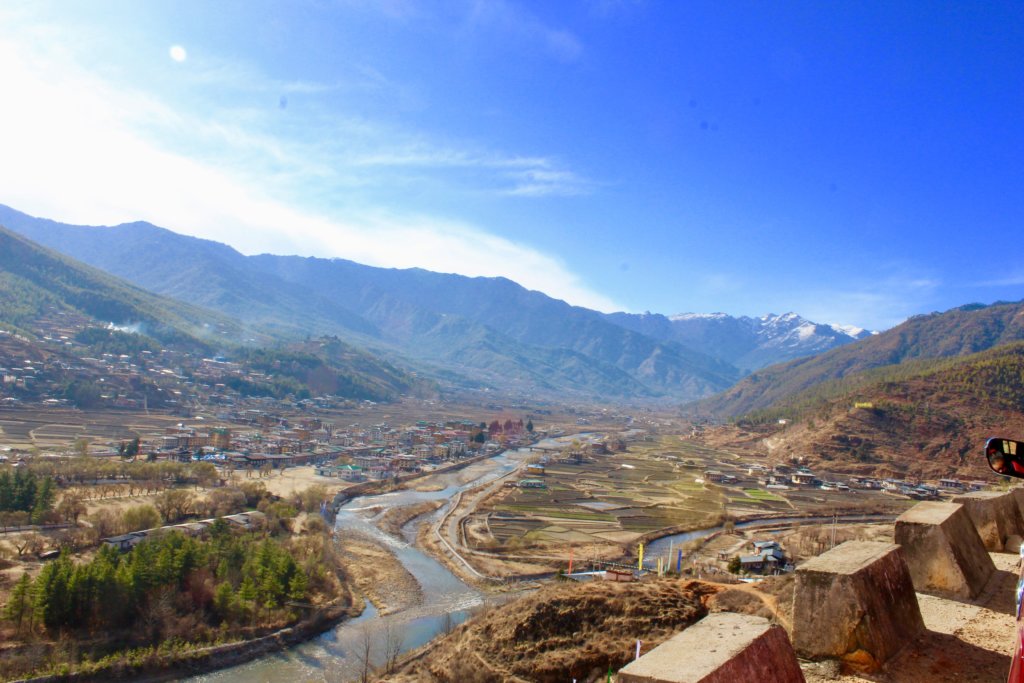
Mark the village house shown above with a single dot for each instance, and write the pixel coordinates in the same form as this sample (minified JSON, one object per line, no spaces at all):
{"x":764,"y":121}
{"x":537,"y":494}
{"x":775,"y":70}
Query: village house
{"x":767,"y":557}
{"x":716,"y":477}
{"x":803,"y":478}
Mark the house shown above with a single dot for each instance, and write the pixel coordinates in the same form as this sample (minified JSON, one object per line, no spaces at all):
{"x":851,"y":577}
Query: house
{"x":952,"y":484}
{"x":768,"y":556}
{"x":532,"y":484}
{"x":802,"y":478}
{"x":716,"y":477}
{"x":247,"y":520}
{"x":126,"y":542}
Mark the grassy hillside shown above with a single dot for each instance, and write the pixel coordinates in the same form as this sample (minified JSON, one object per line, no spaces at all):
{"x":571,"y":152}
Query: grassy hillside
{"x":35,"y":282}
{"x":561,"y":632}
{"x":517,"y":339}
{"x":41,"y":291}
{"x":926,"y":418}
{"x":958,"y":332}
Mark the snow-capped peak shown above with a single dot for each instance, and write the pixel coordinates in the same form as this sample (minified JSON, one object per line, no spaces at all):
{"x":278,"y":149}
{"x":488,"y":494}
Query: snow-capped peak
{"x":851,"y":330}
{"x":699,"y":316}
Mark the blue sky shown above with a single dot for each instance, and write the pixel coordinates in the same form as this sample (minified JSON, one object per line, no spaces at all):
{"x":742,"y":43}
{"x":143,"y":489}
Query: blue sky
{"x":853,"y":162}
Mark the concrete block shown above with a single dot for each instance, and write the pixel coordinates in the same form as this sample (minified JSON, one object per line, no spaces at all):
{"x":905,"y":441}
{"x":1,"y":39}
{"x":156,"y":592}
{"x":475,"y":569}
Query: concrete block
{"x":720,"y":648}
{"x":1013,"y":544}
{"x":1018,"y":495}
{"x":943,"y":550}
{"x":995,"y":515}
{"x":855,"y":603}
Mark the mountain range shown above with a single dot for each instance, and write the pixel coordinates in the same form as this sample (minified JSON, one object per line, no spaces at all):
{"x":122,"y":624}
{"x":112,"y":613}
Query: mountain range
{"x":44,"y":294}
{"x":461,"y":330}
{"x":747,"y":343}
{"x":958,"y":332}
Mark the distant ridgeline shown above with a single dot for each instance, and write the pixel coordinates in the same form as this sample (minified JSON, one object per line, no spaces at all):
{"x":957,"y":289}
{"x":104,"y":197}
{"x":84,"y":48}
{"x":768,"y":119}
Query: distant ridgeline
{"x":466,"y":333}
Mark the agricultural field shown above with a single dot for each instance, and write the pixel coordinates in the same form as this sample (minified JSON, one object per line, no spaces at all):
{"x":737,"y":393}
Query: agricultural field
{"x":57,"y":429}
{"x":616,"y":498}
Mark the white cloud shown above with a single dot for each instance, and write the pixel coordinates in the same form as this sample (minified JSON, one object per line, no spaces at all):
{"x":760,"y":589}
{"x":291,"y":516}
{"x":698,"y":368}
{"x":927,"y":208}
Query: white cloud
{"x":876,"y":305}
{"x":78,"y":149}
{"x":517,"y":22}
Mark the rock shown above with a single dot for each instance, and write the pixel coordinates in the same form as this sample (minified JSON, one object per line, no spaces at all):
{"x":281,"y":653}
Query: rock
{"x":943,"y":550}
{"x":721,"y":648}
{"x":855,"y":603}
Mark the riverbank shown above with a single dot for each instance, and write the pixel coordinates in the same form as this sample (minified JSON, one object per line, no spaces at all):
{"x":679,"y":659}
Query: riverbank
{"x":168,"y":662}
{"x":377,"y":574}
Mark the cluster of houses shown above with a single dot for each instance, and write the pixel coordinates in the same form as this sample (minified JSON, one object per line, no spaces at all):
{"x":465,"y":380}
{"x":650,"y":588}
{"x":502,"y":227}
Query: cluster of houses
{"x":353,"y":453}
{"x":786,"y":477}
{"x":147,"y":378}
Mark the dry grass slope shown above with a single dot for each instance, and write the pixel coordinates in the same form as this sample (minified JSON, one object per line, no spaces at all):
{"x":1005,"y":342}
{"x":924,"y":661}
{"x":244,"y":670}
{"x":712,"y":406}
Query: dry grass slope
{"x":561,"y":632}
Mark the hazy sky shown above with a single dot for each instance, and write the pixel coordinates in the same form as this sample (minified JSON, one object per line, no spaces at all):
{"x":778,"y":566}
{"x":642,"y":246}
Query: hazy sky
{"x":854,"y":162}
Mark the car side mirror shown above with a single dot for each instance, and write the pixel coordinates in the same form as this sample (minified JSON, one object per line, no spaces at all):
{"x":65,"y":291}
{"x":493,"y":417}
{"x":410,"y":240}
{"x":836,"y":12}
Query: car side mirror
{"x":1005,"y":457}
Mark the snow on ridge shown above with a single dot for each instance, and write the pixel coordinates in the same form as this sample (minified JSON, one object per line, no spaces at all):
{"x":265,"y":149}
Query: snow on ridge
{"x":699,"y":316}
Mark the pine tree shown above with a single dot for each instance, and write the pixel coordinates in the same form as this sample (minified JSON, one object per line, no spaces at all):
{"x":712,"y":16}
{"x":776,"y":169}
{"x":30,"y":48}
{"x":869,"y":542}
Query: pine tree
{"x":6,"y":492}
{"x":20,"y":605}
{"x":43,"y":501}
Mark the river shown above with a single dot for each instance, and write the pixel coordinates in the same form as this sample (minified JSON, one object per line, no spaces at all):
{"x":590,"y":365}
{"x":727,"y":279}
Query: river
{"x":333,"y":656}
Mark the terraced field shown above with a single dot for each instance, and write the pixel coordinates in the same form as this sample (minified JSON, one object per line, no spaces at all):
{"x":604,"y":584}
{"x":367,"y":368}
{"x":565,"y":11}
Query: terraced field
{"x":616,"y":498}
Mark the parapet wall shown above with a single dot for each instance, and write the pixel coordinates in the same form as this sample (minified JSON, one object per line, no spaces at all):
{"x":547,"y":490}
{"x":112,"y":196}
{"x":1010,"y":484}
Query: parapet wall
{"x":855,"y":603}
{"x":720,"y":648}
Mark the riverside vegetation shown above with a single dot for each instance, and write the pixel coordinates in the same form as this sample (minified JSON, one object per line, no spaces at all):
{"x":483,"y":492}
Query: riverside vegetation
{"x":100,"y":611}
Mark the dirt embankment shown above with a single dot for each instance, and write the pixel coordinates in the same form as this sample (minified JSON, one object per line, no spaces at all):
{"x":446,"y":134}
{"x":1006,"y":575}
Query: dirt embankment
{"x":563,"y":631}
{"x":377,"y":574}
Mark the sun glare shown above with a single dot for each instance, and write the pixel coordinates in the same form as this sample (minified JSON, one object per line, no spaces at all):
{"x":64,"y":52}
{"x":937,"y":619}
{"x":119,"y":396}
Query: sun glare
{"x":178,"y":53}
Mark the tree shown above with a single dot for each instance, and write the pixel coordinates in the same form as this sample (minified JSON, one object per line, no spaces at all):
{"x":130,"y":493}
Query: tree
{"x":447,"y":623}
{"x":174,"y":504}
{"x":393,"y":641}
{"x":140,"y":517}
{"x":81,"y":446}
{"x":29,"y":544}
{"x":43,"y":501}
{"x":71,"y":507}
{"x":529,"y":426}
{"x":20,"y":605}
{"x":105,"y":522}
{"x":364,"y":654}
{"x":735,"y":566}
{"x":310,"y":498}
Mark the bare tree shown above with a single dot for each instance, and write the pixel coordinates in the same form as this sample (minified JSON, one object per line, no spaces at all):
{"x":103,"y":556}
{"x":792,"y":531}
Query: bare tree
{"x":394,"y":638}
{"x":447,"y":623}
{"x":30,"y":543}
{"x":364,"y":653}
